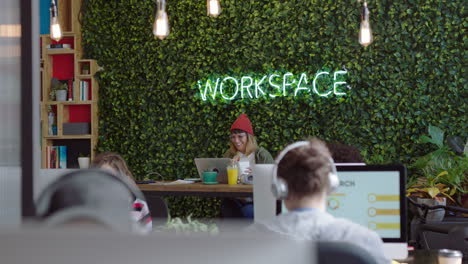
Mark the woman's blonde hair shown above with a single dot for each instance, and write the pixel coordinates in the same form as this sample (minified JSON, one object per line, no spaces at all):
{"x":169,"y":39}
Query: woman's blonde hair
{"x":113,"y":160}
{"x":251,"y":144}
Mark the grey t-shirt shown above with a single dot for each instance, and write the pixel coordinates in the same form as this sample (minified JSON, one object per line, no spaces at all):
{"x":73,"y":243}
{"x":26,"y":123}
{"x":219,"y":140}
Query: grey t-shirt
{"x":317,"y":225}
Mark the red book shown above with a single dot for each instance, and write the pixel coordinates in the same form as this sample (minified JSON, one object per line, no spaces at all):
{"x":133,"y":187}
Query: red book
{"x":53,"y":158}
{"x":48,"y":157}
{"x":70,"y":90}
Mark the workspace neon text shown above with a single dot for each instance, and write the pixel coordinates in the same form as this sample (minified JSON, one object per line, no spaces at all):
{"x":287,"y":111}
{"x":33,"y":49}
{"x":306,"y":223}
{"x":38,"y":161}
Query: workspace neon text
{"x":227,"y":88}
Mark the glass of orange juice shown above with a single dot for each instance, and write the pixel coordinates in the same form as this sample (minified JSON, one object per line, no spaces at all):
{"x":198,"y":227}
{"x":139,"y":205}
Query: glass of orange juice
{"x":233,"y":172}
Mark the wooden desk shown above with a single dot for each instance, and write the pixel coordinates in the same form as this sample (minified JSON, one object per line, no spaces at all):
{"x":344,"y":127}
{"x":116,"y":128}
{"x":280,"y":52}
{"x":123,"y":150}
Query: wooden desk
{"x":198,"y":189}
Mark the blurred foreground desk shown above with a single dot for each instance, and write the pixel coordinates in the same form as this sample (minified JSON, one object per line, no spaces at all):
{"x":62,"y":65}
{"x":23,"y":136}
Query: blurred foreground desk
{"x":197,"y":189}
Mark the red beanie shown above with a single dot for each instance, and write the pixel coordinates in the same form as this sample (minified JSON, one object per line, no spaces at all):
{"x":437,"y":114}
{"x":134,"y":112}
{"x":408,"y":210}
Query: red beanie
{"x":243,"y":123}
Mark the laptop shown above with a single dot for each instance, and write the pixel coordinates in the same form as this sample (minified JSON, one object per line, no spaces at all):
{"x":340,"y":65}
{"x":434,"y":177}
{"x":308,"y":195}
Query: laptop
{"x":213,"y":164}
{"x":374,"y":196}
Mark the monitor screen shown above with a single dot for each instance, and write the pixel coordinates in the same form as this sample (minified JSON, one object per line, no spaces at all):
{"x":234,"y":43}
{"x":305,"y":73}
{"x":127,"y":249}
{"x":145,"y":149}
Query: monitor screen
{"x":373,"y":196}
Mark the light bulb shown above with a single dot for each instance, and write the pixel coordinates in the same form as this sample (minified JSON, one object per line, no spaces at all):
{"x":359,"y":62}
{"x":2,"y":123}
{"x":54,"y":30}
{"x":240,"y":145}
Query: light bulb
{"x":55,"y":30}
{"x":161,"y":22}
{"x":214,"y":8}
{"x":365,"y":32}
{"x":161,"y":25}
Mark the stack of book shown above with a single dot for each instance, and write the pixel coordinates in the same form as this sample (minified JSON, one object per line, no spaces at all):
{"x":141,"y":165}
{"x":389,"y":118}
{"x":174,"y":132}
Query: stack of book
{"x":84,"y":91}
{"x":56,"y":157}
{"x":59,"y":46}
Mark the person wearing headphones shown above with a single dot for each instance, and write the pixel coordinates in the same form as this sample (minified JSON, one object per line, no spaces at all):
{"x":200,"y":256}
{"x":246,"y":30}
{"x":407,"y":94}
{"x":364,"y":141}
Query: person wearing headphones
{"x":89,"y":199}
{"x":303,"y":175}
{"x":114,"y":163}
{"x":243,"y":148}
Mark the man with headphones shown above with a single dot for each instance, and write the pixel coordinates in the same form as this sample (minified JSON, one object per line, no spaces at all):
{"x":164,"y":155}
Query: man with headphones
{"x":92,"y":197}
{"x":303,"y":175}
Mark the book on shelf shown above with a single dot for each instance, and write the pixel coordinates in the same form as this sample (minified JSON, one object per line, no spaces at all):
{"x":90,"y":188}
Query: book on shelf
{"x":62,"y":157}
{"x":56,"y":157}
{"x":70,"y":90}
{"x":52,"y":162}
{"x":47,"y":157}
{"x":84,"y":91}
{"x":59,"y":46}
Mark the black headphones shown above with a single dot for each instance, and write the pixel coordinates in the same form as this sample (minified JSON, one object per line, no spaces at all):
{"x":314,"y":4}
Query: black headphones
{"x":44,"y":201}
{"x":279,"y":187}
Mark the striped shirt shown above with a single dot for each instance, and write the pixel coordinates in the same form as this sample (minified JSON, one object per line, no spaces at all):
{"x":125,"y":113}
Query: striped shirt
{"x":142,"y":216}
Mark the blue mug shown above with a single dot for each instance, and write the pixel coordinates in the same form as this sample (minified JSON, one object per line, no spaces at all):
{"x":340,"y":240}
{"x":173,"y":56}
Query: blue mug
{"x":209,"y":176}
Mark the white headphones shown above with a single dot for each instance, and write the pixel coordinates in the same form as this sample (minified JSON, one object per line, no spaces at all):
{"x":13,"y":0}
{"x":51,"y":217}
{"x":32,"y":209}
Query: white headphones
{"x":279,"y":187}
{"x":45,"y":199}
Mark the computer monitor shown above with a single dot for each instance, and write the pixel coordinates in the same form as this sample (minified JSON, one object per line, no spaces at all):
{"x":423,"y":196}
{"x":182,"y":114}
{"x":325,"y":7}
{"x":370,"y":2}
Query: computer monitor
{"x":374,"y":196}
{"x":264,"y":201}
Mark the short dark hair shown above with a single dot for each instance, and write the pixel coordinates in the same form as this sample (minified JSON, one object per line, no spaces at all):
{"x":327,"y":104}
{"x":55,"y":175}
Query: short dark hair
{"x":342,"y":153}
{"x":305,"y":169}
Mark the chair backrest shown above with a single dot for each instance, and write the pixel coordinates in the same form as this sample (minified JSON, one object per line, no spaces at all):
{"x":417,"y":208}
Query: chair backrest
{"x":458,"y":240}
{"x":158,"y":209}
{"x":332,"y":252}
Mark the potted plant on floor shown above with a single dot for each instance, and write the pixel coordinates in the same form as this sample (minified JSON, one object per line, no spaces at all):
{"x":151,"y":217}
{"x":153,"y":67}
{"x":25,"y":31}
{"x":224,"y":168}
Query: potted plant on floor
{"x":431,"y":192}
{"x":438,"y":175}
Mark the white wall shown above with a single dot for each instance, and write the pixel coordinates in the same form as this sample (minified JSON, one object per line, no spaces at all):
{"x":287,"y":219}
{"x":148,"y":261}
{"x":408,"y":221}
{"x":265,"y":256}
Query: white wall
{"x":10,"y":198}
{"x":11,"y":110}
{"x":10,"y":114}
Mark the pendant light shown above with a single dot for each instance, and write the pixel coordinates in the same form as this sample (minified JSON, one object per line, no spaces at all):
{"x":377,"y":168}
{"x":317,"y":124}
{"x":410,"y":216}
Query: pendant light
{"x":365,"y":32}
{"x":55,"y":30}
{"x":213,"y":8}
{"x":161,"y":22}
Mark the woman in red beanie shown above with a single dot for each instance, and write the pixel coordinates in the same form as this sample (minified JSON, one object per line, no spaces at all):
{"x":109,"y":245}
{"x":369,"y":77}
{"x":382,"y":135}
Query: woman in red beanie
{"x":243,"y":148}
{"x":243,"y":144}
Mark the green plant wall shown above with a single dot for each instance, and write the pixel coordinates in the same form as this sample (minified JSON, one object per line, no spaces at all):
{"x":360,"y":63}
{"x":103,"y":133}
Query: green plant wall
{"x":413,"y":75}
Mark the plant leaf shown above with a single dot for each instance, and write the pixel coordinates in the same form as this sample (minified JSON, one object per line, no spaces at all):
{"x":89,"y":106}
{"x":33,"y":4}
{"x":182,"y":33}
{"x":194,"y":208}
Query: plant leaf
{"x":433,"y":191}
{"x":453,"y":191}
{"x":437,"y":135}
{"x":448,"y":196}
{"x":426,"y":139}
{"x":440,"y":174}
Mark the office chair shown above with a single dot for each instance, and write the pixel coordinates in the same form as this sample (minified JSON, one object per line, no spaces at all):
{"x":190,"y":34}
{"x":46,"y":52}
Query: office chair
{"x":337,"y":252}
{"x":451,"y":233}
{"x":158,"y":209}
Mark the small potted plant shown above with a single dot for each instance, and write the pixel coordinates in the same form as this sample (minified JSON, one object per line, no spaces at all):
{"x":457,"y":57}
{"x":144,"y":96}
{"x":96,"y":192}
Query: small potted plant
{"x":85,"y":68}
{"x":83,"y":161}
{"x":61,"y":92}
{"x":58,"y":90}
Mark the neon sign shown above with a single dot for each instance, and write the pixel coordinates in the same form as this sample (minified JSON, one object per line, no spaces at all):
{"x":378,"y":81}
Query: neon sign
{"x":324,"y":84}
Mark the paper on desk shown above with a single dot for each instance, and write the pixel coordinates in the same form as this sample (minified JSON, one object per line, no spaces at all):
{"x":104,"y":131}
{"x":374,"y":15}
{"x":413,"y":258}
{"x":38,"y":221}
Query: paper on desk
{"x":173,"y":182}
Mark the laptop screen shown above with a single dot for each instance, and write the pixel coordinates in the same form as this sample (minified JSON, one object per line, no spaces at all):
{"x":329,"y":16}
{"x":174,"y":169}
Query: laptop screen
{"x":373,"y":196}
{"x":213,"y":164}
